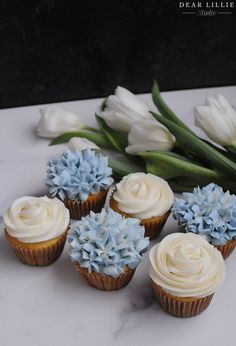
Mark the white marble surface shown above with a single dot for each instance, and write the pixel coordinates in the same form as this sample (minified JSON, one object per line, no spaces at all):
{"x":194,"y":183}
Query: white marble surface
{"x":52,"y":305}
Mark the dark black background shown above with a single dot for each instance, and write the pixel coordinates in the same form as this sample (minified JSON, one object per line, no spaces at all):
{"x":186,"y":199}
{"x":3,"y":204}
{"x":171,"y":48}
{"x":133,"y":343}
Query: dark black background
{"x":56,"y":50}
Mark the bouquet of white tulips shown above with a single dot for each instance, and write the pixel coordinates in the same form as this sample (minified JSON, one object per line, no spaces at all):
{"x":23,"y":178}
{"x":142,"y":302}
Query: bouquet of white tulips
{"x":159,"y":142}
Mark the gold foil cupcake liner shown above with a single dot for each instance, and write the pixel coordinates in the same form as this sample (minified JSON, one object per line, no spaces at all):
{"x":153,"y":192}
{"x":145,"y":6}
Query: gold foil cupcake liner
{"x":106,"y":282}
{"x":153,"y":226}
{"x":227,"y":249}
{"x":38,"y":254}
{"x":79,"y":209}
{"x":180,"y":306}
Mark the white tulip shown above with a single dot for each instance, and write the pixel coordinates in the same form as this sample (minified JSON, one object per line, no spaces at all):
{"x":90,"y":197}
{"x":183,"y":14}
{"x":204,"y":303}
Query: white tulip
{"x":77,"y":143}
{"x":55,"y":120}
{"x":218,"y":120}
{"x":148,"y":134}
{"x":123,"y":108}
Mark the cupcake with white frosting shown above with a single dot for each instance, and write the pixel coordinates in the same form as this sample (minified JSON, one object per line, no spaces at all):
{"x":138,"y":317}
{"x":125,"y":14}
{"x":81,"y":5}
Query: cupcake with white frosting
{"x":186,"y":271}
{"x":146,"y":197}
{"x":36,"y":228}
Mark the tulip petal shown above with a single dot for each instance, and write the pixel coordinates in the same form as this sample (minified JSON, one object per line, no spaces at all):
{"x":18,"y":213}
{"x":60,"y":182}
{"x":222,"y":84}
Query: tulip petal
{"x":132,"y":102}
{"x":55,"y":120}
{"x":209,"y":121}
{"x":224,"y":102}
{"x":218,"y":120}
{"x":77,"y":143}
{"x":123,"y":108}
{"x":148,"y":134}
{"x":116,"y":120}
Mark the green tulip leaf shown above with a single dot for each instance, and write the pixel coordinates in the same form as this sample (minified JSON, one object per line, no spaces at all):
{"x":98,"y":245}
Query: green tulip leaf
{"x":104,"y":105}
{"x":123,"y":167}
{"x":185,"y":184}
{"x":118,"y":139}
{"x":97,"y":138}
{"x":164,"y":109}
{"x":232,"y":150}
{"x":178,"y":187}
{"x":169,"y":165}
{"x":198,"y":147}
{"x":90,"y":128}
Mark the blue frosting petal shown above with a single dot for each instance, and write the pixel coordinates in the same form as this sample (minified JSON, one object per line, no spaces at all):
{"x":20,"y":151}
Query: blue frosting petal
{"x":75,"y":175}
{"x":208,"y":211}
{"x":107,"y":242}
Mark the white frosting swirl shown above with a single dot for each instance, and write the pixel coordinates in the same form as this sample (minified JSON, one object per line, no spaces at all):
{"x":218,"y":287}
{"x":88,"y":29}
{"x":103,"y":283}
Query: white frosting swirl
{"x":143,"y":195}
{"x":35,"y":219}
{"x":186,"y":265}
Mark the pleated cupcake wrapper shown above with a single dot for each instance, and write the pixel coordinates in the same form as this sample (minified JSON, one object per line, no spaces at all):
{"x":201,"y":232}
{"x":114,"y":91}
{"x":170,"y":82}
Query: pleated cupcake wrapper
{"x":180,"y":306}
{"x":106,"y":282}
{"x":79,"y":209}
{"x":227,"y":249}
{"x":153,"y":226}
{"x":38,"y":255}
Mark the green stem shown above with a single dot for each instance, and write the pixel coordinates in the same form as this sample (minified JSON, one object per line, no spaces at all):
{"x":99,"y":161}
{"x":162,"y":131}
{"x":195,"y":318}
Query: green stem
{"x":199,"y":147}
{"x":231,"y":148}
{"x":177,"y":187}
{"x":164,"y":109}
{"x":118,"y":139}
{"x":121,"y":168}
{"x":169,"y":165}
{"x":187,"y":183}
{"x":97,"y":138}
{"x":104,"y":105}
{"x":89,"y":128}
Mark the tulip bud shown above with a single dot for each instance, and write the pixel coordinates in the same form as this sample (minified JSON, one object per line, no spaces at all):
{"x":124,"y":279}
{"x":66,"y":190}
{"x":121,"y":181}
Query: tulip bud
{"x":148,"y":134}
{"x":123,"y":109}
{"x":80,"y":144}
{"x":55,"y":121}
{"x":218,"y":120}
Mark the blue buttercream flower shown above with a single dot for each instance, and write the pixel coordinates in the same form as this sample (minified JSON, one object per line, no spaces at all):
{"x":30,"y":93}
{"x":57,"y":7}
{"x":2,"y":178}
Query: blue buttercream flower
{"x":107,"y":242}
{"x":75,"y":175}
{"x":208,"y":211}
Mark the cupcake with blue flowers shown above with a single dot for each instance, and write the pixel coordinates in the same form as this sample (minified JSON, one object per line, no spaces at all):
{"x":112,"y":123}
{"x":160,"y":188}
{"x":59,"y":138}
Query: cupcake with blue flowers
{"x":81,"y":180}
{"x":210,"y":212}
{"x":107,"y":248}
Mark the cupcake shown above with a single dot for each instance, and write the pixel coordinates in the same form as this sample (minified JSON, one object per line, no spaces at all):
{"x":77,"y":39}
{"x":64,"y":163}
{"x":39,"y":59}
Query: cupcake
{"x":210,"y":212}
{"x":185,"y":271}
{"x":81,"y":180}
{"x":36,"y":228}
{"x":146,"y":197}
{"x":106,"y":248}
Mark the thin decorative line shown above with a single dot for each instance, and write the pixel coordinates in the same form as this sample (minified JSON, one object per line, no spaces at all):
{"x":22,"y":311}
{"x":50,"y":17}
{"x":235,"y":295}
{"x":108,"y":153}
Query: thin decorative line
{"x":188,"y":12}
{"x":224,"y":12}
